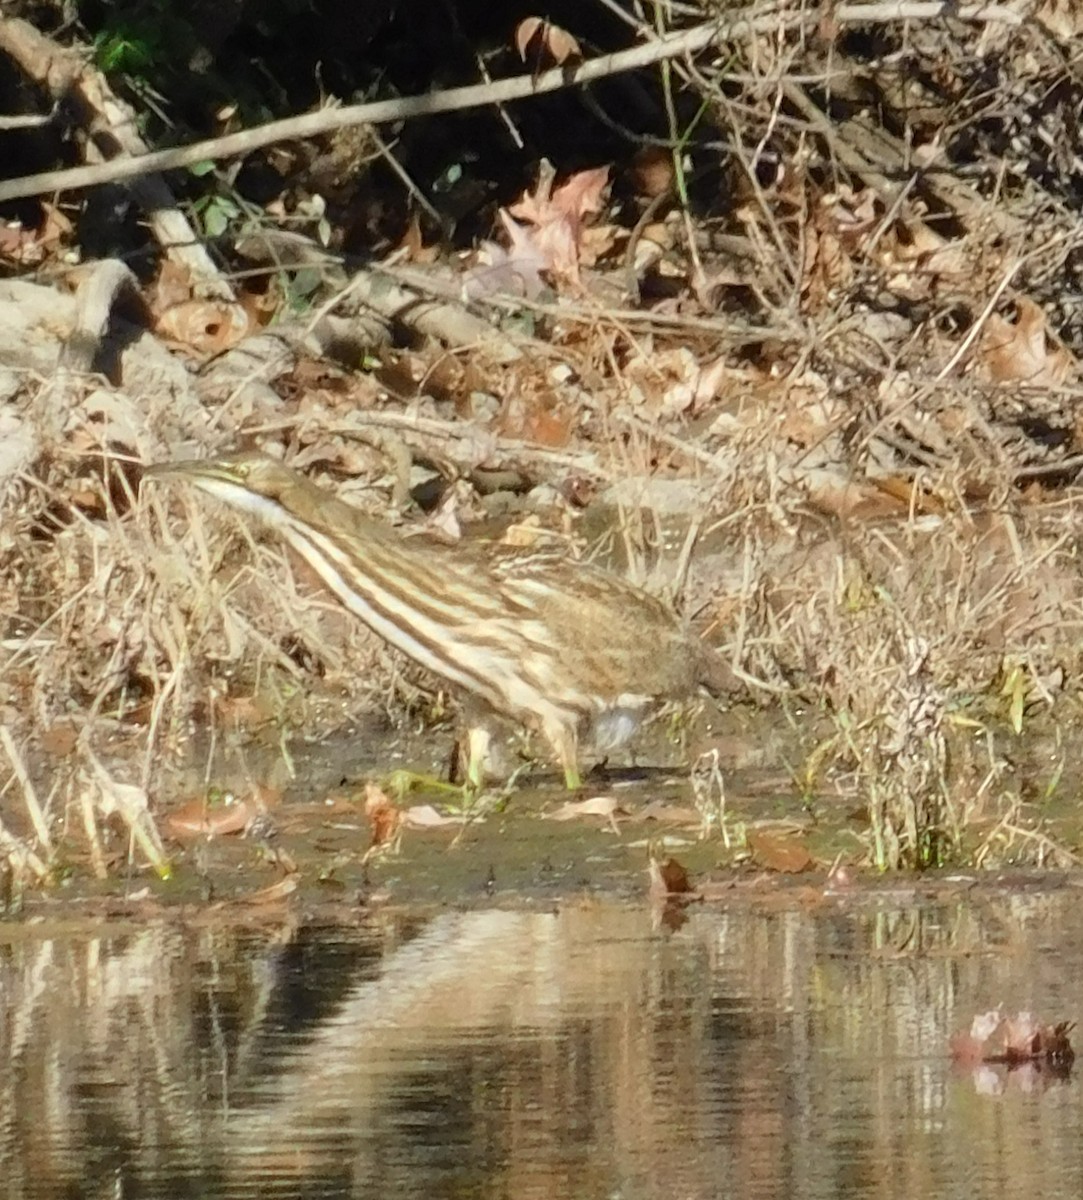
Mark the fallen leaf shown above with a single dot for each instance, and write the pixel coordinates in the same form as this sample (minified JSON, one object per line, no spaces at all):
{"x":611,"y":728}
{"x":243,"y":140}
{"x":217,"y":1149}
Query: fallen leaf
{"x":274,"y":892}
{"x":652,"y":172}
{"x":56,"y":226}
{"x":1014,"y":1041}
{"x":670,"y":814}
{"x":668,"y":878}
{"x":206,"y":326}
{"x":968,"y":1046}
{"x":788,"y":855}
{"x":595,"y":806}
{"x":515,"y":271}
{"x":218,"y":814}
{"x":553,"y":245}
{"x":424,"y":816}
{"x":171,"y":286}
{"x":556,"y":217}
{"x":20,"y":245}
{"x":1025,"y":352}
{"x":384,"y":816}
{"x":413,"y":243}
{"x":529,"y":417}
{"x":1061,"y":18}
{"x":58,"y":741}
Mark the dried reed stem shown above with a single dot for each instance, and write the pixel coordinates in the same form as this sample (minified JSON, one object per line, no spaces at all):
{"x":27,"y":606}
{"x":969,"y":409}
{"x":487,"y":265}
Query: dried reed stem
{"x":30,"y":796}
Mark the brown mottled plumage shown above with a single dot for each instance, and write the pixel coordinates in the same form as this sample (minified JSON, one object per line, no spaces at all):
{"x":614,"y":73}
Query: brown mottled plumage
{"x":565,"y":648}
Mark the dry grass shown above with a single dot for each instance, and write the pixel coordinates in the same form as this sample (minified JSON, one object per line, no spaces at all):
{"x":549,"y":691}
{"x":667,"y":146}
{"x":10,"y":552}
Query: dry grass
{"x":929,"y":645}
{"x":127,"y":620}
{"x":904,"y":636}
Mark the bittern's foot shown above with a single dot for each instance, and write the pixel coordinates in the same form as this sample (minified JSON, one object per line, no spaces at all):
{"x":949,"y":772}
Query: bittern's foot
{"x":465,"y":798}
{"x":484,"y":758}
{"x":401,"y":782}
{"x":486,"y":761}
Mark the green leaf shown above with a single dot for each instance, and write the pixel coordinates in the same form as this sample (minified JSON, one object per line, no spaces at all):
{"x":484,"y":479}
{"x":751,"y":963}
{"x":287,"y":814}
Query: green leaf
{"x":215,"y":221}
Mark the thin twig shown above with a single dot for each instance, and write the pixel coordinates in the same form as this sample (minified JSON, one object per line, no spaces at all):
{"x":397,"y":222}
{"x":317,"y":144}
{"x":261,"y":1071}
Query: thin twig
{"x":30,"y":796}
{"x":518,"y":87}
{"x":379,"y":112}
{"x":18,"y":854}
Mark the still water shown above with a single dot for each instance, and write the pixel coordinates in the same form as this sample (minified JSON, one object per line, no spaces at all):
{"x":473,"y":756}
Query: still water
{"x":791,"y":1049}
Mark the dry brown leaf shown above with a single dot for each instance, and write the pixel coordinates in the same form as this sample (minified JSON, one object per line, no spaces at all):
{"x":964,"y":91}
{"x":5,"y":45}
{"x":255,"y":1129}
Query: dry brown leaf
{"x":594,"y":806}
{"x":935,"y":258}
{"x":841,"y":224}
{"x":851,"y":498}
{"x":652,"y":171}
{"x":59,"y":740}
{"x":597,"y":242}
{"x":205,"y":326}
{"x":413,"y":243}
{"x":581,"y":195}
{"x":199,"y":818}
{"x":557,"y":218}
{"x":849,"y":214}
{"x":1062,"y":18}
{"x":515,"y":271}
{"x":542,"y":44}
{"x":537,"y":418}
{"x":384,"y":816}
{"x":1025,"y":352}
{"x":670,"y":814}
{"x":20,"y":245}
{"x":260,"y":308}
{"x":710,"y":382}
{"x":425,"y":816}
{"x":273,"y":893}
{"x":826,"y":268}
{"x":553,"y":247}
{"x":56,"y":226}
{"x":775,"y":852}
{"x":666,"y":381}
{"x":668,"y":878}
{"x":172,"y":286}
{"x":1013,"y":1041}
{"x":12,"y":238}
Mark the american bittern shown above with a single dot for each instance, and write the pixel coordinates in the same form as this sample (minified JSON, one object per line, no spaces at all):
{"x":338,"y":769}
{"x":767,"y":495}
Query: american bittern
{"x":562,"y":647}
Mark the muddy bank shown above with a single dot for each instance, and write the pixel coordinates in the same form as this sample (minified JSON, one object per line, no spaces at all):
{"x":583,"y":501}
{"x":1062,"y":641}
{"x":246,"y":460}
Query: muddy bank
{"x":330,"y":829}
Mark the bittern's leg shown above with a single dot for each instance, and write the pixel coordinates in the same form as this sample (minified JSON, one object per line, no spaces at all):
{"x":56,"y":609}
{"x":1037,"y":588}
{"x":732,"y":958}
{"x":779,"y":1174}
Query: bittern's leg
{"x":478,"y":741}
{"x":565,"y":742}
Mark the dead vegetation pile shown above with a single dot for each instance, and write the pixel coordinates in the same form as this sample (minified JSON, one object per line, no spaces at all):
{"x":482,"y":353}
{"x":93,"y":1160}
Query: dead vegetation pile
{"x":813,"y":314}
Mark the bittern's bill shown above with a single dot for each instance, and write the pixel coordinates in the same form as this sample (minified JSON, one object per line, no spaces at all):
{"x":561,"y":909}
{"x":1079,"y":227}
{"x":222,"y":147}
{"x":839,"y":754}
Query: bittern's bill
{"x":565,"y":648}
